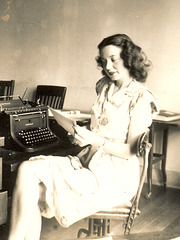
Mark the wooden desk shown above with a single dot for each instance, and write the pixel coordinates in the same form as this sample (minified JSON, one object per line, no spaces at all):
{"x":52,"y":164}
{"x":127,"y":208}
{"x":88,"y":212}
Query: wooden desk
{"x":156,"y":157}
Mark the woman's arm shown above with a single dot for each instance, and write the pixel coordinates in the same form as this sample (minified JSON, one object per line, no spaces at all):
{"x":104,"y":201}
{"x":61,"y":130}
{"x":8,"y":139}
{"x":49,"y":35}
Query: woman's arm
{"x":140,"y":120}
{"x":84,"y":137}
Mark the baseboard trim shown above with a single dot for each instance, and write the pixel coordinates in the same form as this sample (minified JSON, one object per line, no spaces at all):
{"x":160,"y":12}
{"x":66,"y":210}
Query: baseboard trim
{"x":173,"y":178}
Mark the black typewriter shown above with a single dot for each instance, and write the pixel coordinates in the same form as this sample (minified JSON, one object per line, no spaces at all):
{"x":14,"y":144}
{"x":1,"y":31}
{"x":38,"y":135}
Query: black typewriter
{"x":25,"y":127}
{"x":36,"y":136}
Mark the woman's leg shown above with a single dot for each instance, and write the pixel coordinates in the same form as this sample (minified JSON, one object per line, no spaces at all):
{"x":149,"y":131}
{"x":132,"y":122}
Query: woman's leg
{"x":25,"y":210}
{"x":34,"y":228}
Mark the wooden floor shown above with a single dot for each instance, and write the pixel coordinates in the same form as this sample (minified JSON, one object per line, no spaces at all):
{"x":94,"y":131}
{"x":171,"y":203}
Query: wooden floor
{"x":159,"y":220}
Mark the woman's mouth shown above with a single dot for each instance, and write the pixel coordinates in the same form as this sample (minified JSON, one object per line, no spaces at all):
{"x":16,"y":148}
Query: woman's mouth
{"x":113,"y":74}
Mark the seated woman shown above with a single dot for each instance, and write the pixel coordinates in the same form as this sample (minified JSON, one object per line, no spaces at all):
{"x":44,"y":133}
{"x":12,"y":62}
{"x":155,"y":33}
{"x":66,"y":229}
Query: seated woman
{"x":106,"y":172}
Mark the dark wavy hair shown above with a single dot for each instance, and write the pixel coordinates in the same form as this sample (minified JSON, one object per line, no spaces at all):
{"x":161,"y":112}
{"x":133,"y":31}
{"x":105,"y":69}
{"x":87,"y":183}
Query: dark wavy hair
{"x":135,"y":60}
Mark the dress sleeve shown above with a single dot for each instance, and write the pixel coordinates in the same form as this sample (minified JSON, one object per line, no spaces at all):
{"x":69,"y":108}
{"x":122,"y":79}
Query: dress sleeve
{"x":143,"y":108}
{"x":153,"y":100}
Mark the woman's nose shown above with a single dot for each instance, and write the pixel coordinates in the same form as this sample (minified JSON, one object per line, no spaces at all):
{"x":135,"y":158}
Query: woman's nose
{"x":109,"y":64}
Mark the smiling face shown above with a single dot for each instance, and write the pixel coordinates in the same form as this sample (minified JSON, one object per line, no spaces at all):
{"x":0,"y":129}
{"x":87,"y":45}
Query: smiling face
{"x":113,"y":64}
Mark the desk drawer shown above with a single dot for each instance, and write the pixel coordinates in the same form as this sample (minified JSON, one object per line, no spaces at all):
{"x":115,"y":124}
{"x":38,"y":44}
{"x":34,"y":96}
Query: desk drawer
{"x":3,"y":206}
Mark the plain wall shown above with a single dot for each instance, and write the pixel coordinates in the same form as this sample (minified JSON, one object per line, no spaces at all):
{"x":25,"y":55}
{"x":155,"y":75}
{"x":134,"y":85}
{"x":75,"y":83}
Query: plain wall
{"x":55,"y":42}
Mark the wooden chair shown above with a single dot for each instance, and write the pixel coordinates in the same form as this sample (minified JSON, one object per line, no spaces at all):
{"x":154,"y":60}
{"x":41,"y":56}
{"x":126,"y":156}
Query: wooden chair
{"x":99,"y":223}
{"x":52,"y":96}
{"x":6,"y":89}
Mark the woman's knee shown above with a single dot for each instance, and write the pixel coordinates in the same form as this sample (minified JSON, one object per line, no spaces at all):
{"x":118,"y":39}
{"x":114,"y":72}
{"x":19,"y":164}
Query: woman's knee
{"x":25,"y":171}
{"x":24,"y":168}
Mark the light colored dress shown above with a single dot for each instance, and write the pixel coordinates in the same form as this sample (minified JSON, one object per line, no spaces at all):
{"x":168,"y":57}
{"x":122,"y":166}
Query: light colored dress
{"x":73,"y":194}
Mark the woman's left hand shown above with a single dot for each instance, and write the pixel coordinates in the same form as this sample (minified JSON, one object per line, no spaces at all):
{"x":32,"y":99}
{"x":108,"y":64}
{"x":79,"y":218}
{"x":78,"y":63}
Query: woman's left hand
{"x":84,"y":137}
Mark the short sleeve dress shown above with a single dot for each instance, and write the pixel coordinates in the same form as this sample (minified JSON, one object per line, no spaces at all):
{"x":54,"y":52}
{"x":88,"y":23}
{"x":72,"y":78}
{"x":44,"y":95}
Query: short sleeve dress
{"x":75,"y":193}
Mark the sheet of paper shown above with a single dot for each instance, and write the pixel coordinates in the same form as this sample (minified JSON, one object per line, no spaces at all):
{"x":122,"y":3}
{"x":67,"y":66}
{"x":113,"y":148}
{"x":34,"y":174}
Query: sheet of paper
{"x":64,"y":121}
{"x":73,"y":114}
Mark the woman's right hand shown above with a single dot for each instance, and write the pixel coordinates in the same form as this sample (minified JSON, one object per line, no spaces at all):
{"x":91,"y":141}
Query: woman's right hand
{"x":72,"y":139}
{"x":85,"y":137}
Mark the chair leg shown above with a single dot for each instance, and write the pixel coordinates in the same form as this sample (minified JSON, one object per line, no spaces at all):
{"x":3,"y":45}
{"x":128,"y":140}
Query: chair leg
{"x":105,"y":227}
{"x":130,"y":221}
{"x":89,"y":231}
{"x":108,"y":226}
{"x":81,"y":231}
{"x":96,"y":227}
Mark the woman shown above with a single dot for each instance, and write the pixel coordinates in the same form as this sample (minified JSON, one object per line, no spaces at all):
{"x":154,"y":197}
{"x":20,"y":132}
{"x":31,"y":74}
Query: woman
{"x":105,"y":173}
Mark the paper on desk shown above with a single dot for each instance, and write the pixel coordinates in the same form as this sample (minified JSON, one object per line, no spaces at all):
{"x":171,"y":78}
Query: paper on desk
{"x":73,"y":114}
{"x":64,"y":121}
{"x":167,"y":116}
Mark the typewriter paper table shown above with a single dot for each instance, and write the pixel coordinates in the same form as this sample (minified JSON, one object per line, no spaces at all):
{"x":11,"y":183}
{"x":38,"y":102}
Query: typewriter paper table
{"x":163,"y":126}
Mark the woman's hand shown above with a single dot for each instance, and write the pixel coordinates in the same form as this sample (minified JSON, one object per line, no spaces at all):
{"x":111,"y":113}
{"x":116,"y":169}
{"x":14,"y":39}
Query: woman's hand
{"x":84,"y":137}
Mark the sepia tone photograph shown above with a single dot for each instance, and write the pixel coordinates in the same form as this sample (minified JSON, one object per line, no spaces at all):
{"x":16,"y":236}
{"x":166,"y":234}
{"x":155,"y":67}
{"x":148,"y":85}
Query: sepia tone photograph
{"x":89,"y":119}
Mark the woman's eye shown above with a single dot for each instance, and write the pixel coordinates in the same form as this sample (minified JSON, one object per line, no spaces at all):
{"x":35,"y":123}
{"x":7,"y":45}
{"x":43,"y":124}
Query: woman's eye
{"x":114,"y":59}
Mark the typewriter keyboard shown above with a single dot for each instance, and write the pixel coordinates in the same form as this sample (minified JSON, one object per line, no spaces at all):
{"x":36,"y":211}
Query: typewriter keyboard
{"x":36,"y":136}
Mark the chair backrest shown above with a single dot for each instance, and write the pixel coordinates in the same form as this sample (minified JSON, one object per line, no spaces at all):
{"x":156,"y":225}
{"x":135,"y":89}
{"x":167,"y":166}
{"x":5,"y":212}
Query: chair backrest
{"x":52,"y":96}
{"x":143,"y":149}
{"x":6,"y":88}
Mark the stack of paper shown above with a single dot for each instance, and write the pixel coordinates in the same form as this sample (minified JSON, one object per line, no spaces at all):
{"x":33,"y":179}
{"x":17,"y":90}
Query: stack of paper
{"x":165,"y":115}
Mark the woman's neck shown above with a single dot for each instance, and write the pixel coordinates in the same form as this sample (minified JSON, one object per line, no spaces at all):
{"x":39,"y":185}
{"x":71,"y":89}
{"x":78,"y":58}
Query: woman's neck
{"x":123,"y":84}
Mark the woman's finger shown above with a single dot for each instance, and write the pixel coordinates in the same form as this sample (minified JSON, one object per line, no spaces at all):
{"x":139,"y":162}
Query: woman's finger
{"x":78,"y":138}
{"x":80,"y":141}
{"x":83,"y":132}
